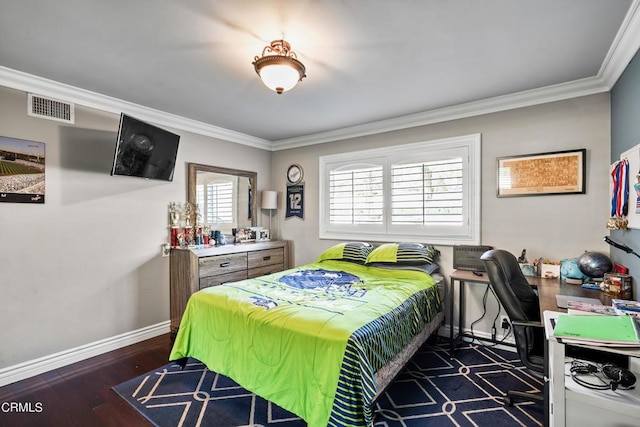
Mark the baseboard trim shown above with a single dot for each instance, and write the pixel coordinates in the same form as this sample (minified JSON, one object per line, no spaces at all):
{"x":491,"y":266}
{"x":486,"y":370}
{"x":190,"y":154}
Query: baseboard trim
{"x":509,"y":342}
{"x":44,"y":364}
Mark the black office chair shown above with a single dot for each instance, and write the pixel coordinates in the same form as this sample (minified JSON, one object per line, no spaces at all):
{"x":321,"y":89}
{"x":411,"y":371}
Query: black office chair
{"x":521,"y":304}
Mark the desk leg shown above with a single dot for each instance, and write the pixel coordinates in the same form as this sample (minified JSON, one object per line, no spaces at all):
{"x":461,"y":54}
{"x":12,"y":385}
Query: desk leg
{"x":546,"y":385}
{"x":455,"y":338}
{"x":556,"y":402}
{"x":461,"y":311}
{"x":451,"y":294}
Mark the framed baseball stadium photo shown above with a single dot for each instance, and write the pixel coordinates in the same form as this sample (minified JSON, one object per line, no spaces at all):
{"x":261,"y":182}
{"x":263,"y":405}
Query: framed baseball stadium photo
{"x":559,"y":172}
{"x":21,"y":170}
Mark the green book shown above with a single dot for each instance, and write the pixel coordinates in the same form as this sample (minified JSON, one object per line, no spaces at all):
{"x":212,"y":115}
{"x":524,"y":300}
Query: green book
{"x":603,"y":330}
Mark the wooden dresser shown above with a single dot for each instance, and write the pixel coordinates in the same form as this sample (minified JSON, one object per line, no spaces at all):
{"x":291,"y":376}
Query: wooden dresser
{"x":195,"y":269}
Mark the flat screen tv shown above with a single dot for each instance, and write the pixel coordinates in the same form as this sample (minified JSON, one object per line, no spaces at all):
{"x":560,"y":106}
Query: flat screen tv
{"x":144,"y":150}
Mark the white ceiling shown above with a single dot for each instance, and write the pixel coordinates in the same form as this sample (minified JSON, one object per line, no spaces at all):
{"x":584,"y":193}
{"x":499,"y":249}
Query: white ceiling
{"x":374,"y":64}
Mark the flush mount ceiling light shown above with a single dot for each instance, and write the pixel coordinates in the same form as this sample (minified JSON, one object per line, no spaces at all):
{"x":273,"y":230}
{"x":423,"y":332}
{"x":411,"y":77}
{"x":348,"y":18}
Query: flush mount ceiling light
{"x":278,"y":67}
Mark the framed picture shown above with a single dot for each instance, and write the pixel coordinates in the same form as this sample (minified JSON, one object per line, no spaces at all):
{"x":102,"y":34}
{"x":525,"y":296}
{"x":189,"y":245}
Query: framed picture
{"x":244,"y":235}
{"x":263,"y":235}
{"x":21,"y":170}
{"x":559,"y":172}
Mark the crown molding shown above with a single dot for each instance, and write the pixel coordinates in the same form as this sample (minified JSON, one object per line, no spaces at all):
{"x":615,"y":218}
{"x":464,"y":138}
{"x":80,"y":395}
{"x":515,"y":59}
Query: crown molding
{"x":559,"y":92}
{"x":621,"y":52}
{"x":623,"y":48}
{"x":29,"y":83}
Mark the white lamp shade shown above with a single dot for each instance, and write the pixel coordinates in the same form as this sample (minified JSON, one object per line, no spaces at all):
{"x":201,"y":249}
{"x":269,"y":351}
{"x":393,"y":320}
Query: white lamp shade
{"x":269,"y":200}
{"x":281,"y":76}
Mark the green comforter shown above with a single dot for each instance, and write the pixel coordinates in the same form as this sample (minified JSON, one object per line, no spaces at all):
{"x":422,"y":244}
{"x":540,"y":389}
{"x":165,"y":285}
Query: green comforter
{"x":284,"y":336}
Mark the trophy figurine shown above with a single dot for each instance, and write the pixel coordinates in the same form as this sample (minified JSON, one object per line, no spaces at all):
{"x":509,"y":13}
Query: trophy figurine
{"x":198,"y":215}
{"x":174,"y":213}
{"x":187,"y":214}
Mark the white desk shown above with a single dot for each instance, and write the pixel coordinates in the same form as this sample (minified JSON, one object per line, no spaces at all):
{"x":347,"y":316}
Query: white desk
{"x":571,"y":404}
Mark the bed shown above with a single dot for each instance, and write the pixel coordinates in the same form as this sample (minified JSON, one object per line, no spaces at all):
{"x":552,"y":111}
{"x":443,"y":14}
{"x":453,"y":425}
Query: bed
{"x":321,"y":340}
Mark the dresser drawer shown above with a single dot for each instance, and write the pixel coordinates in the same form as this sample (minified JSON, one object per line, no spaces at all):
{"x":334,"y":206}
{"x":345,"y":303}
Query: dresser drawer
{"x":219,"y":279}
{"x":268,"y":269}
{"x":222,"y":264}
{"x":267,"y":257}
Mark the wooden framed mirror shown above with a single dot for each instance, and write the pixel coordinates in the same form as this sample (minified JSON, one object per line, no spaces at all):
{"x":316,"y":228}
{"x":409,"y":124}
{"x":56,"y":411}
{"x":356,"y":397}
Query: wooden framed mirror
{"x":226,"y":198}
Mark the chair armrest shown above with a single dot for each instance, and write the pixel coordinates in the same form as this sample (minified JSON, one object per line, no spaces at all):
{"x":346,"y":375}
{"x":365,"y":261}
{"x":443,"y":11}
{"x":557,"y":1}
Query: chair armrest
{"x":527,"y":323}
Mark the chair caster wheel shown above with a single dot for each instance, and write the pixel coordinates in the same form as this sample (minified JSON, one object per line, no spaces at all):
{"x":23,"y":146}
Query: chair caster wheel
{"x":508,"y":400}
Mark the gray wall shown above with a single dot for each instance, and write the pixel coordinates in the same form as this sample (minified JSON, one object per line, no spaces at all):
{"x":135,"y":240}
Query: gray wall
{"x":553,"y":227}
{"x":625,"y":133}
{"x":86,"y":265}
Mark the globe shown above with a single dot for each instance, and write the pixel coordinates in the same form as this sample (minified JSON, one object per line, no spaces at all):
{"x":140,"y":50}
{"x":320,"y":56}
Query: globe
{"x":594,"y":264}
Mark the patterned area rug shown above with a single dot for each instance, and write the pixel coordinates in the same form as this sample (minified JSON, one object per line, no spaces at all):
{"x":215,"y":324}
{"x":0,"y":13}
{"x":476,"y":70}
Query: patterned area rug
{"x":432,"y":390}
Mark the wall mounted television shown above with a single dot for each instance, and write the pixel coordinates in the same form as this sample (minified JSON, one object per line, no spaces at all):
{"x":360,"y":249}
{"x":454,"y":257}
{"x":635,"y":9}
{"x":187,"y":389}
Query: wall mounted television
{"x":144,"y":150}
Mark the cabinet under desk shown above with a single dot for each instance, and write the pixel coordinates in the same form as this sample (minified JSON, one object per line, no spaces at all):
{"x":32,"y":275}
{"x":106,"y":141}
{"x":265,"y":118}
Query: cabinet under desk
{"x":573,"y":404}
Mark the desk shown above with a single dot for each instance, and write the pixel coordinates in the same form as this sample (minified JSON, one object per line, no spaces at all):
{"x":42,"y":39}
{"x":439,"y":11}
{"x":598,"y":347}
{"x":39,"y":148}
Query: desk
{"x":549,"y":288}
{"x":547,"y":291}
{"x":574,"y":405}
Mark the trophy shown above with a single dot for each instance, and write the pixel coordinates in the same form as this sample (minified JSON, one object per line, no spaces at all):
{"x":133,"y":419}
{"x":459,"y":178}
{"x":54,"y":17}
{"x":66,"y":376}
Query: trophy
{"x":174,"y":215}
{"x":188,"y":229}
{"x":198,"y":227}
{"x":206,"y":231}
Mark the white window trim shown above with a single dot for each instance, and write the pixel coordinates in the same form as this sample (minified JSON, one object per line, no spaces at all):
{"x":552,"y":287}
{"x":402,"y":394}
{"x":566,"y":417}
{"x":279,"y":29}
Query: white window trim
{"x":471,"y":188}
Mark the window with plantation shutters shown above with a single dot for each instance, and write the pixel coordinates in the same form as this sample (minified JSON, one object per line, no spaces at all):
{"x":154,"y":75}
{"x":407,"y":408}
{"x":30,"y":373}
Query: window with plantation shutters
{"x":215,"y":200}
{"x":425,"y":192}
{"x":356,"y":195}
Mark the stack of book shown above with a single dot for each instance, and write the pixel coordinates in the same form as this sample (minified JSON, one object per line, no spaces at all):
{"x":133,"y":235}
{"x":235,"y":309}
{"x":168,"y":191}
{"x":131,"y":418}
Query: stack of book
{"x":610,"y":331}
{"x":622,"y":306}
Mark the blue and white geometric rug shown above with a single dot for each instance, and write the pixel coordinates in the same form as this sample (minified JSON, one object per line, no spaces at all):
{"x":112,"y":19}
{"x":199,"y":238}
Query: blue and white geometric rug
{"x":432,"y":390}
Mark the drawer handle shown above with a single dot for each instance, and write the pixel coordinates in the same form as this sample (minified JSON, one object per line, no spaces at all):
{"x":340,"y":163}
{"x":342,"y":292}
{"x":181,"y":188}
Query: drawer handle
{"x":266,"y":258}
{"x":225,"y":264}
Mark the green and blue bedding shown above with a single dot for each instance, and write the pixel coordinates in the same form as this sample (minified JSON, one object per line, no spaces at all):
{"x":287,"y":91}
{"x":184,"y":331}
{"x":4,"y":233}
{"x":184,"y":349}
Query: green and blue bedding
{"x":309,"y":339}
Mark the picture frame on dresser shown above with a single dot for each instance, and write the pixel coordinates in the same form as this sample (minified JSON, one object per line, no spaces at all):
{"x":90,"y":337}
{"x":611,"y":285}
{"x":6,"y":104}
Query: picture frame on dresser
{"x":262,"y":235}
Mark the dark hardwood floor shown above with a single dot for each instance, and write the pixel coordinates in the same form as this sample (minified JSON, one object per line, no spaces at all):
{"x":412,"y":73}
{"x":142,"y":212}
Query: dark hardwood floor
{"x":80,"y":394}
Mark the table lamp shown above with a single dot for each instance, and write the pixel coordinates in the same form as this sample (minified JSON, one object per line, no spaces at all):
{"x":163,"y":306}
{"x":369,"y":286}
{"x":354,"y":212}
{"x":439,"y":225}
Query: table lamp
{"x":270,"y":203}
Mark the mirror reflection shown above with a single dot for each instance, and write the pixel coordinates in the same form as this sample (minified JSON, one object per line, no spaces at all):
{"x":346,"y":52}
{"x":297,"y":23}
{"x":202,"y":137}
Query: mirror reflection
{"x":225,"y":197}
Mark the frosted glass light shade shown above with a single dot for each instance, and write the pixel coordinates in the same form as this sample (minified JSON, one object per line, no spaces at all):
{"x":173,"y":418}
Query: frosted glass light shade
{"x":269,"y":200}
{"x":279,"y":77}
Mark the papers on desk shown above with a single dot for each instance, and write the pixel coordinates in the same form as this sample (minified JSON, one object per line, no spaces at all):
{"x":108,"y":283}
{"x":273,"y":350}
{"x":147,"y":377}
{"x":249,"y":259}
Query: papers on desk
{"x":610,"y":331}
{"x":563,"y":300}
{"x":578,"y":307}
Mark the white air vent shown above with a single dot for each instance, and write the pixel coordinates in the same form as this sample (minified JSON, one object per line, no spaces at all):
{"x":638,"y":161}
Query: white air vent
{"x":49,"y":108}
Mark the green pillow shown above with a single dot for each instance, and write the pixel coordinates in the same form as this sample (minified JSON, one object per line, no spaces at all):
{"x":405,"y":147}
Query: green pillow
{"x":351,"y":251}
{"x":403,"y":253}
